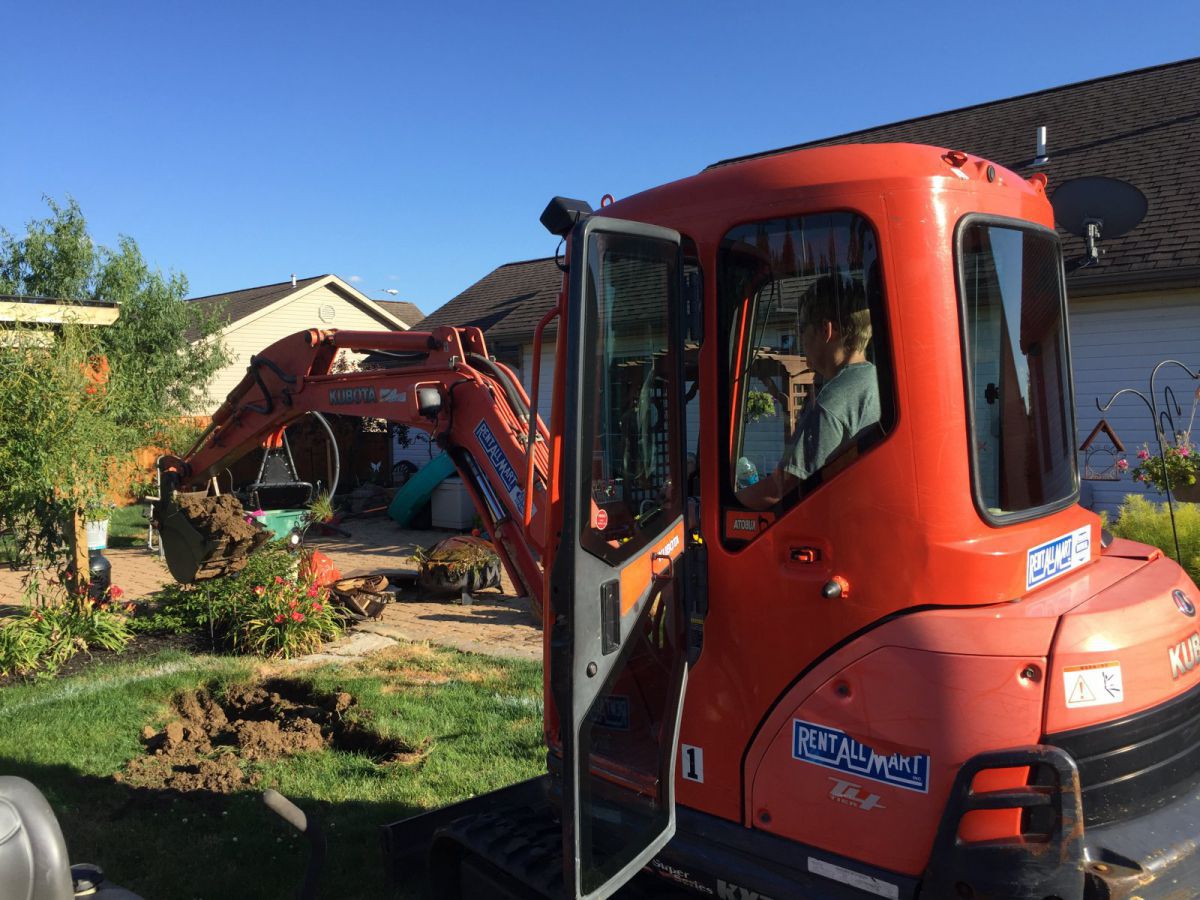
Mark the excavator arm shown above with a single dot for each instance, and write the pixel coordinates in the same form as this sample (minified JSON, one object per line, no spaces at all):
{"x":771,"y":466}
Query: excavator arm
{"x":441,"y":381}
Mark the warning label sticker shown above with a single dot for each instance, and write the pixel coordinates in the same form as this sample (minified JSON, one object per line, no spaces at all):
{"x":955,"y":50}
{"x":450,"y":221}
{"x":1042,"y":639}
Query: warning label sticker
{"x":1096,"y":684}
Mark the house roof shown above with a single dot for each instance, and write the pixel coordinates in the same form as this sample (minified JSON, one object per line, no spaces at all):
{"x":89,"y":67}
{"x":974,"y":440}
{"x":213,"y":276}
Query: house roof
{"x":234,"y":306}
{"x":56,"y":311}
{"x":507,"y":303}
{"x":406,"y":312}
{"x":1142,"y":127}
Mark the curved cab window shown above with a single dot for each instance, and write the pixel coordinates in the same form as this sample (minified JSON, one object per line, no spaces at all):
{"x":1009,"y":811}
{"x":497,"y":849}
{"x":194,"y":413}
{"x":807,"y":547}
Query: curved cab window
{"x":807,"y":382}
{"x":1018,"y":371}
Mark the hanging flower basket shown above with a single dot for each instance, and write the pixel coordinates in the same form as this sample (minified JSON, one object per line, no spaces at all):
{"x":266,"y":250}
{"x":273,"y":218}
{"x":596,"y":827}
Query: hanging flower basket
{"x":1188,"y":493}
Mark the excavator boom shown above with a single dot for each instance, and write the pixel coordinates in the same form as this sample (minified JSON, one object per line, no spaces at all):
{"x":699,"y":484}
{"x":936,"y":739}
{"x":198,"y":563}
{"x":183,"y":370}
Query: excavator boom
{"x":442,"y":382}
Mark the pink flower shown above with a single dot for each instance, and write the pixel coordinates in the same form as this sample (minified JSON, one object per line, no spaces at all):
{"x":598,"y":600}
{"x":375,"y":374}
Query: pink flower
{"x":279,"y":618}
{"x":292,"y":604}
{"x":259,"y":590}
{"x":1184,"y":451}
{"x":115,"y":592}
{"x":316,"y":607}
{"x":1143,"y":454}
{"x":298,"y":616}
{"x":1122,"y":464}
{"x":313,"y":591}
{"x":278,"y":580}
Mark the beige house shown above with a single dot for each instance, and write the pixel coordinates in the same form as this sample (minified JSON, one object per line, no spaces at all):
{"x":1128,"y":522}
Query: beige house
{"x":257,"y":317}
{"x":52,"y":311}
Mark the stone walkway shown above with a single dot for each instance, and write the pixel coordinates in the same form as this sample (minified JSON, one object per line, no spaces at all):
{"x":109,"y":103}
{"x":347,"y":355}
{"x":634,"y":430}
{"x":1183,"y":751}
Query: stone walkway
{"x":496,"y":622}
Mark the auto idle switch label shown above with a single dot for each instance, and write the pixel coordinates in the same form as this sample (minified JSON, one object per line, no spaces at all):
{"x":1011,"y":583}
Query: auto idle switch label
{"x":1096,"y":684}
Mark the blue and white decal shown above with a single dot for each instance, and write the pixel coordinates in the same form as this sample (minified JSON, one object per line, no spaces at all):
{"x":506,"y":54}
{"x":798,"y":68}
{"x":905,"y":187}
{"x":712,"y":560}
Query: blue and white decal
{"x":495,"y":455}
{"x":834,"y":749}
{"x":613,"y":712}
{"x":1049,"y":560}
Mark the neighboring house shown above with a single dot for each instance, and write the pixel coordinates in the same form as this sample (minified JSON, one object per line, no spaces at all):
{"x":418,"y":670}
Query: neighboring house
{"x":257,"y":317}
{"x":507,"y":305}
{"x":1139,"y":305}
{"x":406,"y":312}
{"x":53,"y":311}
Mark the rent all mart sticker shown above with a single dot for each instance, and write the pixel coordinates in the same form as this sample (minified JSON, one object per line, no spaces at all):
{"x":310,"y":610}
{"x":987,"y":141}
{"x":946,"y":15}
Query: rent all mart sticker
{"x":1096,"y":684}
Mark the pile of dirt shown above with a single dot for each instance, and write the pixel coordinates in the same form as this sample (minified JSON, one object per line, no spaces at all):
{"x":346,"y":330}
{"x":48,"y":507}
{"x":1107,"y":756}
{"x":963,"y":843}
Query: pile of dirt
{"x":223,"y":526}
{"x":211,"y":738}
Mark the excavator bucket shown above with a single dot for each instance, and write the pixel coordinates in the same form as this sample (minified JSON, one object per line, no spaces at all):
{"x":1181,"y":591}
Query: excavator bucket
{"x":204,"y":537}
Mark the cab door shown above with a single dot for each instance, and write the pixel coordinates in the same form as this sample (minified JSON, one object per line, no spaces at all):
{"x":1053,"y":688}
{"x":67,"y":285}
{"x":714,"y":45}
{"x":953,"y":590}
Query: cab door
{"x":617,"y":644}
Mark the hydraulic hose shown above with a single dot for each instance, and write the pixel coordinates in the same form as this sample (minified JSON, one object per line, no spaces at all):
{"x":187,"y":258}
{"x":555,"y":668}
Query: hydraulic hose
{"x":493,"y":371}
{"x":337,"y":456}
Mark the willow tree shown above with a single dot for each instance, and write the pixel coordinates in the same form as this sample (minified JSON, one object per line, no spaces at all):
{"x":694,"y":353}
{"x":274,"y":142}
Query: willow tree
{"x":77,"y":401}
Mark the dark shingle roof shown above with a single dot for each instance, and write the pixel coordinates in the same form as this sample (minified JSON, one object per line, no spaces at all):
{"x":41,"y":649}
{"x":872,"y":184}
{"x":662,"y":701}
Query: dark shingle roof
{"x":1142,"y":127}
{"x":406,"y":312}
{"x":235,"y":305}
{"x":507,"y":303}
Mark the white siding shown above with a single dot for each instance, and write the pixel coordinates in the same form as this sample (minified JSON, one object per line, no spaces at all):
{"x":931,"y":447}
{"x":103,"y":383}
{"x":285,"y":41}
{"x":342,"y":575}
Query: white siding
{"x":419,"y":450}
{"x":545,"y":376}
{"x":253,"y":335}
{"x":1115,"y":343}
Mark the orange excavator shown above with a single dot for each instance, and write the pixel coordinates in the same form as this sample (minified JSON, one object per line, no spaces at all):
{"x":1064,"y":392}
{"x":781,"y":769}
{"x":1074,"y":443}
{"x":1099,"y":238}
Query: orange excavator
{"x":823,"y":616}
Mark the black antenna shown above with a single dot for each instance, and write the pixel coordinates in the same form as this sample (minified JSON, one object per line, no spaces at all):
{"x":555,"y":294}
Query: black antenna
{"x":1096,"y":207}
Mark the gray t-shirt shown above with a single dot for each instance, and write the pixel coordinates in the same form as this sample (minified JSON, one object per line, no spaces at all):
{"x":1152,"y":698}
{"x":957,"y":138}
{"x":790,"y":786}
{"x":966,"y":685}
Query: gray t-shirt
{"x":846,"y":406}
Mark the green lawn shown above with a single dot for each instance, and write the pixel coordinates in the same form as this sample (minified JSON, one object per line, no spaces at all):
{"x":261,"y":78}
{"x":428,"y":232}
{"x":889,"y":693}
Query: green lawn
{"x":480,"y":717}
{"x":127,"y":526}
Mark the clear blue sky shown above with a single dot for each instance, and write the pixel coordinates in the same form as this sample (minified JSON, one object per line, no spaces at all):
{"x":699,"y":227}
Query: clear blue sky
{"x":407,"y":147}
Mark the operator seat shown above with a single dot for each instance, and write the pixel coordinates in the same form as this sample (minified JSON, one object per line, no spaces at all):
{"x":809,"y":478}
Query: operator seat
{"x":33,"y":854}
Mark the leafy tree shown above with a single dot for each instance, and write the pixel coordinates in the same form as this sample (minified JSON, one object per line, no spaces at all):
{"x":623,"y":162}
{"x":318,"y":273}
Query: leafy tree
{"x":64,"y":433}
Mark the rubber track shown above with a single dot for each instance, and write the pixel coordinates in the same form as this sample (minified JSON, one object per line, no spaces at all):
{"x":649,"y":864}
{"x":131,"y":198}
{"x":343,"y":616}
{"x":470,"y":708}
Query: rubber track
{"x":522,"y":842}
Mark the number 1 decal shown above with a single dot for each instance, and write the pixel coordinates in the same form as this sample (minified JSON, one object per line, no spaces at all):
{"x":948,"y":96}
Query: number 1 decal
{"x":693,"y":763}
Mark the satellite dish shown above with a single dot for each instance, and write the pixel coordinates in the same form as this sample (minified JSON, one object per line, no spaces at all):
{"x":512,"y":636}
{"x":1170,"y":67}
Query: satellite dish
{"x":1096,"y":207}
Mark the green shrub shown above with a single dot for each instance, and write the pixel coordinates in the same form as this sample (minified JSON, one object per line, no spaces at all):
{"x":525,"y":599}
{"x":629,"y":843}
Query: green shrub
{"x":43,"y":638}
{"x":285,"y":618}
{"x":251,"y":611}
{"x":1150,"y":523}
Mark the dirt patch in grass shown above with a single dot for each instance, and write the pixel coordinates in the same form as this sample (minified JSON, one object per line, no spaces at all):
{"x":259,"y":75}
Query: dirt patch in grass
{"x":209,"y":742}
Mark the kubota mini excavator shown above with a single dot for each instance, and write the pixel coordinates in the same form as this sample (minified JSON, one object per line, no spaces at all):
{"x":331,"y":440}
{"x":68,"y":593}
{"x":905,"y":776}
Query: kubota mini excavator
{"x":919,"y":670}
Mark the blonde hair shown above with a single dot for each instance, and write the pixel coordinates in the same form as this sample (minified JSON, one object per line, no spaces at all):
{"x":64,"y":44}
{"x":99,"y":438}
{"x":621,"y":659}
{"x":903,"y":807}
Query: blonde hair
{"x":843,"y":302}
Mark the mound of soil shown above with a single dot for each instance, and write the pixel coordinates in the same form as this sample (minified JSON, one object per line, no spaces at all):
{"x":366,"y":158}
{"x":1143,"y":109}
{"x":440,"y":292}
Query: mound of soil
{"x":221,"y":527}
{"x":209,"y":743}
{"x":217,"y":516}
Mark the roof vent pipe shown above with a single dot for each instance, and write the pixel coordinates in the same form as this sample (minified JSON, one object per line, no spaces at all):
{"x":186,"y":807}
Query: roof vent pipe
{"x":1041,"y":159}
{"x":294,"y":274}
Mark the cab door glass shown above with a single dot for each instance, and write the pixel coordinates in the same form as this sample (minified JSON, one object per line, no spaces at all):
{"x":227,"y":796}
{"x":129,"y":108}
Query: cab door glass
{"x":807,"y":383}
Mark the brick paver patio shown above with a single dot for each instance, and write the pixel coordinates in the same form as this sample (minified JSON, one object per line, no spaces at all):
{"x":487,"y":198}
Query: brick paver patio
{"x":496,"y":622}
